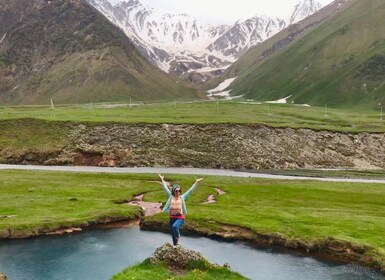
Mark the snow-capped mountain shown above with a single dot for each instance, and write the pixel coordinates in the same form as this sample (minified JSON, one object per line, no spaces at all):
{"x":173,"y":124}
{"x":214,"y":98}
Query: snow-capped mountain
{"x":187,"y":47}
{"x":303,"y":9}
{"x":243,"y":35}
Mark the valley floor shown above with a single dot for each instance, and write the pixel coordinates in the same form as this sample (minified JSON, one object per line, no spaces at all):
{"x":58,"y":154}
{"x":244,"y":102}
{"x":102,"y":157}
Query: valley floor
{"x":333,"y":218}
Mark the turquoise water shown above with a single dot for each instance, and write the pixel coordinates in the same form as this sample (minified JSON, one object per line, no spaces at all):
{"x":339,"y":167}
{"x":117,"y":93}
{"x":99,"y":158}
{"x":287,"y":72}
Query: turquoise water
{"x":99,"y":254}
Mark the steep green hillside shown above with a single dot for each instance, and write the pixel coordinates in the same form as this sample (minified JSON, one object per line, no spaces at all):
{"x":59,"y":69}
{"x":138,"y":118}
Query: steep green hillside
{"x":341,"y":62}
{"x":67,"y":51}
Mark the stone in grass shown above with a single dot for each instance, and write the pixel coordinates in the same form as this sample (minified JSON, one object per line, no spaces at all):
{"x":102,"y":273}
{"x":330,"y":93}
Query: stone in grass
{"x":2,"y":276}
{"x":179,"y":258}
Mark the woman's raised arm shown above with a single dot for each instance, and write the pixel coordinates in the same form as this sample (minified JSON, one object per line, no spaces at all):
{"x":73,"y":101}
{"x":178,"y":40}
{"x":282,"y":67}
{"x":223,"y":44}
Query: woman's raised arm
{"x":164,"y":184}
{"x":189,"y":192}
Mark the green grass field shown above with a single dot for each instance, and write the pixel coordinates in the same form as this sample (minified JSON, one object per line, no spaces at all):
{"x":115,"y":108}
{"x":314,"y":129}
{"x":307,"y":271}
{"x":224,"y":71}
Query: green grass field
{"x":52,"y":200}
{"x":356,"y":174}
{"x":275,"y":115}
{"x":307,"y":210}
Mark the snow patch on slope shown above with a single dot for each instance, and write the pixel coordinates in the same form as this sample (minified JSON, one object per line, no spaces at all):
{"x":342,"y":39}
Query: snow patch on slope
{"x":279,"y":101}
{"x":1,"y":40}
{"x":222,"y":86}
{"x":220,"y":91}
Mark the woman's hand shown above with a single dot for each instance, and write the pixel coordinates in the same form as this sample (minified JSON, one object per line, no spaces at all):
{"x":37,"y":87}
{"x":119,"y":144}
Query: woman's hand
{"x":198,"y":180}
{"x":161,"y":177}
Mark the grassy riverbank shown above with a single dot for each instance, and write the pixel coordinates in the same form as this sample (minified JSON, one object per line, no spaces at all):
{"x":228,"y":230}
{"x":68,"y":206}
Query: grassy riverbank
{"x":44,"y":201}
{"x":200,"y":270}
{"x":308,"y":211}
{"x":274,"y":115}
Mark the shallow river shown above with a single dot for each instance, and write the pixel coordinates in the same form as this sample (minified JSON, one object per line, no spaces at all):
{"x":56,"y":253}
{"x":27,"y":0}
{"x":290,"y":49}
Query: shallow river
{"x":99,"y":254}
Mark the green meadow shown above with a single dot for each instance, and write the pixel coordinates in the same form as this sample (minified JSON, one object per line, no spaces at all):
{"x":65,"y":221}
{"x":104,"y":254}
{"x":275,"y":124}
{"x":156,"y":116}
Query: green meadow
{"x":307,"y":210}
{"x":276,"y":115}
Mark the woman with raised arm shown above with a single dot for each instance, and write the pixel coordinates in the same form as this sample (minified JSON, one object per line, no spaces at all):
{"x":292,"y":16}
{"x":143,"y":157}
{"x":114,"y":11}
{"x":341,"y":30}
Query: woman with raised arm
{"x":176,"y":207}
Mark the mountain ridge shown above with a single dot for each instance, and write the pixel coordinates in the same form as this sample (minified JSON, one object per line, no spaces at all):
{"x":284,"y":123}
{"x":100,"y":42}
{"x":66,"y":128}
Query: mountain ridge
{"x":187,"y":48}
{"x":77,"y":56}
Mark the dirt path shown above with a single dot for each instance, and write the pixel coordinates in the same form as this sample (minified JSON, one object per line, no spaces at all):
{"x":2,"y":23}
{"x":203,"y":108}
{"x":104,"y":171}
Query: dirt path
{"x":149,"y":208}
{"x":211,"y":198}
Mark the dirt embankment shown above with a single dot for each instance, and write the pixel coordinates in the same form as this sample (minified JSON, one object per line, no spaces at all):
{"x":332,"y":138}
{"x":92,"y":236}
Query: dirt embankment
{"x":227,"y":146}
{"x":104,"y":222}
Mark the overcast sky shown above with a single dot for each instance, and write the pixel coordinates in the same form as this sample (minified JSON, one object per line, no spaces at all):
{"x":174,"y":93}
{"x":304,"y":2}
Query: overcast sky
{"x":225,"y":10}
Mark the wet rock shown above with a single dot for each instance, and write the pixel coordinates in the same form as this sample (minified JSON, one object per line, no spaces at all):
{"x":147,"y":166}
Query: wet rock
{"x":2,"y":276}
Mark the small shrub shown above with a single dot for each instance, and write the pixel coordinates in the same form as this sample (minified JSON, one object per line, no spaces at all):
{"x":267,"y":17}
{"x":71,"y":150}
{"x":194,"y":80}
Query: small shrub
{"x":372,"y":69}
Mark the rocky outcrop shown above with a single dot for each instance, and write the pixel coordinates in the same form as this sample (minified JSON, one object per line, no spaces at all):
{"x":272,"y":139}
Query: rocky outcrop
{"x":177,"y":258}
{"x":227,"y":146}
{"x":176,"y":262}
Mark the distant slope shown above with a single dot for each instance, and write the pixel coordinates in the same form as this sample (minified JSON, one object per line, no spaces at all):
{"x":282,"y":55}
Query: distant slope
{"x":340,"y":62}
{"x":67,"y":51}
{"x":260,"y":53}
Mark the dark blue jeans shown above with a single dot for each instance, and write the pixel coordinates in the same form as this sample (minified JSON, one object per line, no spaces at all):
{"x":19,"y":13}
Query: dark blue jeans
{"x":175,"y":225}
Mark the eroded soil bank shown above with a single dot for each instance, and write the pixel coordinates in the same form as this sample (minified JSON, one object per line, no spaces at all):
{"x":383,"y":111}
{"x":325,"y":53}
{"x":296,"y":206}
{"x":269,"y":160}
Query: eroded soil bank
{"x":105,"y":222}
{"x":228,"y":146}
{"x":327,"y":249}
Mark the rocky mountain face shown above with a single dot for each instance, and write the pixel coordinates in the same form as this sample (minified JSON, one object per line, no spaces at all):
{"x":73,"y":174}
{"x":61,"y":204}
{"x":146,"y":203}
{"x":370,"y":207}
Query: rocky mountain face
{"x":12,"y":12}
{"x":188,"y":48}
{"x":67,"y":51}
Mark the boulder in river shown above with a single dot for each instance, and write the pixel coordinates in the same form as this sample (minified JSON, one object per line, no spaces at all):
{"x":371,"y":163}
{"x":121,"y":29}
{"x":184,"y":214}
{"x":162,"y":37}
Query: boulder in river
{"x":176,"y":262}
{"x":176,"y":257}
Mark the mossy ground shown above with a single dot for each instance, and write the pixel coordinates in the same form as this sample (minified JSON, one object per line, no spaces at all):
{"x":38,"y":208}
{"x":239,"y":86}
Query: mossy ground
{"x":200,"y":270}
